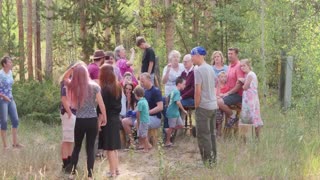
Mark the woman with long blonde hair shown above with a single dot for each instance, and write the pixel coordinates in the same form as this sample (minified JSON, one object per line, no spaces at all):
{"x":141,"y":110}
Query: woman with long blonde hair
{"x":84,"y":94}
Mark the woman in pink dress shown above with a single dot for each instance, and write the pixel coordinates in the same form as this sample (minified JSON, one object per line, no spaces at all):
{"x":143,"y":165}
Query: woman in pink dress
{"x":250,"y":112}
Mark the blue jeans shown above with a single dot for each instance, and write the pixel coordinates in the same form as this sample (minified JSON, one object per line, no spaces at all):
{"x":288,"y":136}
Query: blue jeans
{"x":11,"y":109}
{"x":187,"y":102}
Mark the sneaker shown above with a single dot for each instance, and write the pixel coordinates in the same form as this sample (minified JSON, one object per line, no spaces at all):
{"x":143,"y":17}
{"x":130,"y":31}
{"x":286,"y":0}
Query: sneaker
{"x":231,"y":122}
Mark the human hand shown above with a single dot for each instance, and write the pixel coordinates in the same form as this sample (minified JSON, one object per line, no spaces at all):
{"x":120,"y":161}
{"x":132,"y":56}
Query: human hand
{"x":169,"y":65}
{"x":69,"y":114}
{"x":186,"y":112}
{"x":132,"y":50}
{"x":241,"y":80}
{"x":6,"y":99}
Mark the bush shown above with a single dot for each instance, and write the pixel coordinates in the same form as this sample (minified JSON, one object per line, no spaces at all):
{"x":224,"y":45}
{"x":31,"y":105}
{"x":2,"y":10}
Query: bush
{"x":37,"y":101}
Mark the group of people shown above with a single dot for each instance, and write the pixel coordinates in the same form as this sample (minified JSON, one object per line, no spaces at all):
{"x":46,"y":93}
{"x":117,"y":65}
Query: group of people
{"x":99,"y":99}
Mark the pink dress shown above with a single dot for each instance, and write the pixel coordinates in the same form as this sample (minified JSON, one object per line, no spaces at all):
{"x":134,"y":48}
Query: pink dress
{"x":250,"y":112}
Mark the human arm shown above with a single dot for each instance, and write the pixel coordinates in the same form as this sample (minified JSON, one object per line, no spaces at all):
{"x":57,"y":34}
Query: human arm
{"x":181,"y":107}
{"x":157,"y":109}
{"x":151,"y":63}
{"x":197,"y":95}
{"x":166,"y":72}
{"x":130,"y":62}
{"x":247,"y":83}
{"x":5,"y":97}
{"x":102,"y":109}
{"x":138,"y":118}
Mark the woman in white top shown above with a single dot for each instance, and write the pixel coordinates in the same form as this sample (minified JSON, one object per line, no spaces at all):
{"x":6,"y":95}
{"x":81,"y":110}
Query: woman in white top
{"x":172,"y":71}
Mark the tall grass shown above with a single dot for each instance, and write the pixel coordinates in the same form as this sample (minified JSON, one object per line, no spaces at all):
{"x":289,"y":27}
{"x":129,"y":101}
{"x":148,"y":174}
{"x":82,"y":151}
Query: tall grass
{"x":289,"y":148}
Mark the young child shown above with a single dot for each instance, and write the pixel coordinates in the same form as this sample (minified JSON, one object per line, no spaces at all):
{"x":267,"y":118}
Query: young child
{"x":221,"y":89}
{"x":250,"y":112}
{"x":143,"y":119}
{"x":173,"y":114}
{"x":128,"y":79}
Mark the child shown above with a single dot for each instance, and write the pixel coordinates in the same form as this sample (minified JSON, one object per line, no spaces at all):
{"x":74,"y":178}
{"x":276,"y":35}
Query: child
{"x":142,"y":118}
{"x":222,"y":88}
{"x":173,"y":113}
{"x":250,"y":112}
{"x":128,"y":79}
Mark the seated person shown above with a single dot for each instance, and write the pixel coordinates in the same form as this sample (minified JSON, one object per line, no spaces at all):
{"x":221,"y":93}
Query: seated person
{"x":187,"y":94}
{"x":154,"y":99}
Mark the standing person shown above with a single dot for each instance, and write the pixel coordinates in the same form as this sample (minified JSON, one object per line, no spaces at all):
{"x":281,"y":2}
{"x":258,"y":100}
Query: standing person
{"x":143,"y":118}
{"x":110,"y":59}
{"x":68,"y":120}
{"x":218,"y":62}
{"x":109,"y":138}
{"x":148,"y":57}
{"x":187,"y":94}
{"x":173,"y":114}
{"x":171,"y":72}
{"x":234,"y":95}
{"x":122,"y":63}
{"x":85,"y":94}
{"x":250,"y":112}
{"x":205,"y":105}
{"x":7,"y":104}
{"x":93,"y":68}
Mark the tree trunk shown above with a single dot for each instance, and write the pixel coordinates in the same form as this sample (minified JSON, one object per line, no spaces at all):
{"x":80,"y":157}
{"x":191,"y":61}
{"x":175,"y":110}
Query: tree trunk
{"x":21,"y":38}
{"x":107,"y":31}
{"x":49,"y":28}
{"x":29,"y":39}
{"x":38,"y":44}
{"x":83,"y":30}
{"x":169,"y":27}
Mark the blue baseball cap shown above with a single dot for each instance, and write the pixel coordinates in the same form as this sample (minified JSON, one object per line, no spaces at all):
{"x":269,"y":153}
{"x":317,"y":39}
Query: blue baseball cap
{"x":198,"y":50}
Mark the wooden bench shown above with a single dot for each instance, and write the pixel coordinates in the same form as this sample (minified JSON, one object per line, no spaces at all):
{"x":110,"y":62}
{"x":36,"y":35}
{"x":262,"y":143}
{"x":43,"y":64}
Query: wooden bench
{"x":246,"y":131}
{"x":188,"y":121}
{"x":153,"y":136}
{"x":234,"y":130}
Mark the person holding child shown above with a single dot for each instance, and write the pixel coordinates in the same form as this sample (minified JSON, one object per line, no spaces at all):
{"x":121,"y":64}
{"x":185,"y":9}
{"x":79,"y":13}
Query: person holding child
{"x":143,"y":118}
{"x":250,"y":113}
{"x":122,"y":63}
{"x":173,"y":114}
{"x":221,"y":89}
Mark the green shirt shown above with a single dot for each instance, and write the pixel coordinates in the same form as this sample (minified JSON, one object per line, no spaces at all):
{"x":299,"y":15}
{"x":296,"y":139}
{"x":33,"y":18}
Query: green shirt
{"x":143,"y":108}
{"x":173,"y":108}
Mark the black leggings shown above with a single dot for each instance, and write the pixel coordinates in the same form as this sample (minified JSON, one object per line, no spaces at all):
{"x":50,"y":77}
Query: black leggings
{"x":88,"y":127}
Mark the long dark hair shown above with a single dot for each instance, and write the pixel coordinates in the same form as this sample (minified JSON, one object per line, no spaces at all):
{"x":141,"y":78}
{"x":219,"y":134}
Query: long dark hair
{"x":108,"y":81}
{"x":133,"y":98}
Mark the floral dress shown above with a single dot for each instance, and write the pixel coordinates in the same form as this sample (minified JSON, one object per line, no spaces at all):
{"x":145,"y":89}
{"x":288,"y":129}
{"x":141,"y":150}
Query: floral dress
{"x":250,"y":112}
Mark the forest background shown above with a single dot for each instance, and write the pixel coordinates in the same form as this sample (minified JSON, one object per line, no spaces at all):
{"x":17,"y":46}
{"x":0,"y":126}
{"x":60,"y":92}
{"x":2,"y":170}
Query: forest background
{"x":45,"y":36}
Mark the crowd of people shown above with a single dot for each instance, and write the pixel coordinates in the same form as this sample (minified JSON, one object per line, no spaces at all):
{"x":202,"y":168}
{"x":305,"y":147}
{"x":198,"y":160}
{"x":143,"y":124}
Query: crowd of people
{"x":106,"y":96}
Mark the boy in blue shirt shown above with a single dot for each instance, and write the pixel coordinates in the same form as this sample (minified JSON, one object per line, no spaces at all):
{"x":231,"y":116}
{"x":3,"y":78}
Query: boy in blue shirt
{"x":143,"y":119}
{"x":173,"y":114}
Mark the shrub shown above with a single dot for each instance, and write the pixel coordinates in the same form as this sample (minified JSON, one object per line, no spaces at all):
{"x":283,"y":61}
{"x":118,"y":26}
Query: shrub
{"x":37,"y":101}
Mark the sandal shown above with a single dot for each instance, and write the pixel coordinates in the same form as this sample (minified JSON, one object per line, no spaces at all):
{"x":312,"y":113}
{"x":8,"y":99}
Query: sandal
{"x":111,"y":175}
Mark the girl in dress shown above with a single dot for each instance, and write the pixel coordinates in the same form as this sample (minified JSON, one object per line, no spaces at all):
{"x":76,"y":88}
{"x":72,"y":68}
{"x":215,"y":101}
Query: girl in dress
{"x":250,"y":112}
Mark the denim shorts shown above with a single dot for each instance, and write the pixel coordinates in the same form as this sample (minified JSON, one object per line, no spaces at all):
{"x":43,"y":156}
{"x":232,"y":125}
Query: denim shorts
{"x":174,"y":122}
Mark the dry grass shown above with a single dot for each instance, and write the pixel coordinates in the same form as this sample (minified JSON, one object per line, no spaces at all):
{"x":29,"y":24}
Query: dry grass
{"x":287,"y":150}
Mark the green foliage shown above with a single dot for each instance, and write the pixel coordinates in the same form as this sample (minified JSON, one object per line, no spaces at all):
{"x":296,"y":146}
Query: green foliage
{"x":8,"y":28}
{"x":37,"y":101}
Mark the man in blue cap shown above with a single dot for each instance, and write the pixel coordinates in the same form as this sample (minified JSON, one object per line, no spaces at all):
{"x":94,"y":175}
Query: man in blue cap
{"x":205,"y":103}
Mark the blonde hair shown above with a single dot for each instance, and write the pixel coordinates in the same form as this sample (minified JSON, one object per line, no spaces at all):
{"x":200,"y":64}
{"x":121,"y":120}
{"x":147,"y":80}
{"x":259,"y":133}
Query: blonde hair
{"x":247,"y":62}
{"x":172,"y":53}
{"x":221,"y":55}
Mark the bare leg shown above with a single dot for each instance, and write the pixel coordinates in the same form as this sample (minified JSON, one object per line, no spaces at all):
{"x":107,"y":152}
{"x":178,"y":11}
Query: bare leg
{"x":127,"y":124}
{"x":4,"y":138}
{"x":168,"y":136}
{"x":225,"y":108}
{"x":112,"y":162}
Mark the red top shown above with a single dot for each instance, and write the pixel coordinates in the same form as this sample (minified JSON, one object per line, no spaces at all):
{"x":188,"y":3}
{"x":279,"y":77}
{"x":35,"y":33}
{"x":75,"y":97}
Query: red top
{"x":234,"y":73}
